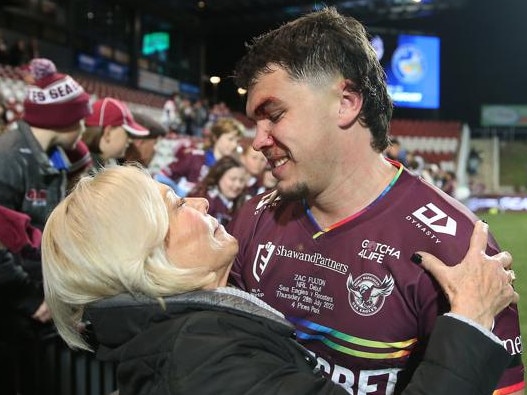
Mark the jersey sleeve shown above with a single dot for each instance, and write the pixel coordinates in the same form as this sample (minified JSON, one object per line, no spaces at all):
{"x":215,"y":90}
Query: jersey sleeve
{"x":506,"y":326}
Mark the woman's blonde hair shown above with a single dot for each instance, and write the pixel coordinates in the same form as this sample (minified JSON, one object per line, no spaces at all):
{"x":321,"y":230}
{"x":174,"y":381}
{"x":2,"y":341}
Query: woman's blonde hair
{"x":108,"y":237}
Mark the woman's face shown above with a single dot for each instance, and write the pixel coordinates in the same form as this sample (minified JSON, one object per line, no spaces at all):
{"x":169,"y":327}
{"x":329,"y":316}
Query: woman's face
{"x":194,"y":237}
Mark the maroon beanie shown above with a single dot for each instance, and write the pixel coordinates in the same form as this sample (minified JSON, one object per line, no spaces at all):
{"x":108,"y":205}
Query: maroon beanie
{"x":54,"y":100}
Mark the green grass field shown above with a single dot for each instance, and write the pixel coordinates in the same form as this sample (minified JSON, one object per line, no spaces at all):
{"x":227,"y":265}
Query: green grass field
{"x":513,"y":165}
{"x":510,"y":230}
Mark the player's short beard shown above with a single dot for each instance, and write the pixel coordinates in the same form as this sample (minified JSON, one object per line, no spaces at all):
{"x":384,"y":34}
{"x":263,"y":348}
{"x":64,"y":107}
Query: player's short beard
{"x":296,"y":192}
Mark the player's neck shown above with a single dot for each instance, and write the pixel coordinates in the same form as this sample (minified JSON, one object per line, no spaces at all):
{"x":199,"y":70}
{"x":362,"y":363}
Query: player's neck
{"x":354,"y":195}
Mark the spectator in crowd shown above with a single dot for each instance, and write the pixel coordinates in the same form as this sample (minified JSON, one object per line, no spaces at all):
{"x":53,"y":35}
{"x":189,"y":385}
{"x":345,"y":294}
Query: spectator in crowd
{"x":109,"y":130}
{"x":395,"y":151}
{"x":449,"y":182}
{"x":142,"y":148}
{"x":33,"y":174}
{"x":344,"y":221}
{"x":254,"y":162}
{"x":224,"y":188}
{"x":187,"y":116}
{"x":148,"y":270}
{"x":416,"y":163}
{"x":171,"y":117}
{"x":474,"y":162}
{"x":191,"y":164}
{"x":201,"y":116}
{"x":219,"y":110}
{"x":268,"y":180}
{"x":430,"y":173}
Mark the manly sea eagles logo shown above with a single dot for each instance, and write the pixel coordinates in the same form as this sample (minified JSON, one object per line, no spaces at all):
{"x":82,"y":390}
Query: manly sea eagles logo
{"x":367,"y":293}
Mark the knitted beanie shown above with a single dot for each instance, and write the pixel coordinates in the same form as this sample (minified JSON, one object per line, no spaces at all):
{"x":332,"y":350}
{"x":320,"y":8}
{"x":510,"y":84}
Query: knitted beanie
{"x":54,"y":100}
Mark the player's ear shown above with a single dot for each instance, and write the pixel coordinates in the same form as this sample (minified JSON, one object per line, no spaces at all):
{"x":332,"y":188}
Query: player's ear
{"x":350,"y":104}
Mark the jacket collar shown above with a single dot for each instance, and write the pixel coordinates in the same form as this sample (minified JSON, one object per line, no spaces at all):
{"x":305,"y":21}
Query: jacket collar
{"x":117,"y":319}
{"x":35,"y":148}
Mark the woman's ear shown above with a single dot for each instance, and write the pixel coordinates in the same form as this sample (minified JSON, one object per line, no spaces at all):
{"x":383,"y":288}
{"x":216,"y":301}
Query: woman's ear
{"x":350,"y":105}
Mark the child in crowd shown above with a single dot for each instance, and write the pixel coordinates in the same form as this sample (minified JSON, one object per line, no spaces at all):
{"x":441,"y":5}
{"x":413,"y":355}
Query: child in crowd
{"x":142,"y":148}
{"x":192,"y":164}
{"x":254,"y":162}
{"x":223,"y":187}
{"x":268,"y":180}
{"x":109,"y":129}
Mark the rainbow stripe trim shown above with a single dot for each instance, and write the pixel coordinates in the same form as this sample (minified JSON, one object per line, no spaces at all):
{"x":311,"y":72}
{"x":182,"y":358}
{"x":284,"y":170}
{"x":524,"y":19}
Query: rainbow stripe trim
{"x":510,"y":389}
{"x":321,"y":231}
{"x":354,"y":346}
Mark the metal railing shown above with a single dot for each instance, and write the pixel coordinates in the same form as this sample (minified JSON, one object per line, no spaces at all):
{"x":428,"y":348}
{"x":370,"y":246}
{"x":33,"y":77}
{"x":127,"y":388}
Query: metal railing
{"x":47,"y":366}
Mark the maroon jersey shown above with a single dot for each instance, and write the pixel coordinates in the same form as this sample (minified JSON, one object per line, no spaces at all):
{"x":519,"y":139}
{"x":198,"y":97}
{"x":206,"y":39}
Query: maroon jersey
{"x":356,"y":299}
{"x":189,"y":166}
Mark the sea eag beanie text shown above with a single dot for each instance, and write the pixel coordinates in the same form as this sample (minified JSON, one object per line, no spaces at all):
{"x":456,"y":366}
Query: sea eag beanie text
{"x":53,"y":100}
